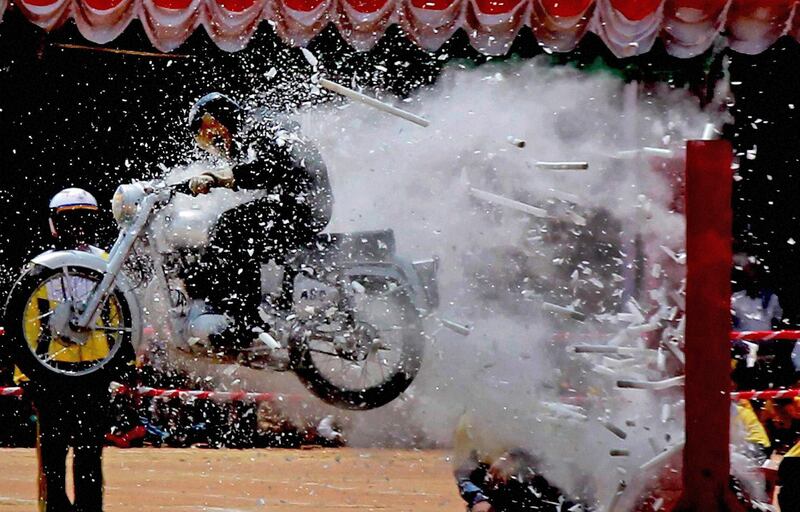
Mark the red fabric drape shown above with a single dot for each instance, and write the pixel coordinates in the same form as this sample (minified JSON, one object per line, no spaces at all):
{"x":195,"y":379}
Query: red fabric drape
{"x":628,"y":27}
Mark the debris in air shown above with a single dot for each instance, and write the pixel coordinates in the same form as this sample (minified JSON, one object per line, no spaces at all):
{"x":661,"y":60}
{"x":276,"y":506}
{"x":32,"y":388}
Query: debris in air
{"x":615,"y":430}
{"x":372,"y":102}
{"x":605,"y":349}
{"x":461,"y":329}
{"x":310,"y":57}
{"x":571,"y":313}
{"x":509,"y":203}
{"x":656,"y":385}
{"x":645,"y":151}
{"x":562,"y":166}
{"x":514,"y":141}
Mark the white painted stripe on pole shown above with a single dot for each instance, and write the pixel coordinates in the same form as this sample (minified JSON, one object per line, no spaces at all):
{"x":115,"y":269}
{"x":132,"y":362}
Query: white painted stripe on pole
{"x":372,"y":102}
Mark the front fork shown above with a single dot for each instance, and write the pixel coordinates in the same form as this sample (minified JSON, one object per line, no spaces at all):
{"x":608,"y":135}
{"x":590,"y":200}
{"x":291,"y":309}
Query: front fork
{"x":119,"y":254}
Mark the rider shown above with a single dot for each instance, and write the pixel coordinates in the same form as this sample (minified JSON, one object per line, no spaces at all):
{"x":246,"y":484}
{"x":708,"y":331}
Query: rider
{"x":265,"y":154}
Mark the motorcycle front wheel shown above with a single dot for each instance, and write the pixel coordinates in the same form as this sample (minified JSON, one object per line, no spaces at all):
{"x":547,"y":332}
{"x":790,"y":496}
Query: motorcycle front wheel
{"x":43,"y":342}
{"x":374,"y":360}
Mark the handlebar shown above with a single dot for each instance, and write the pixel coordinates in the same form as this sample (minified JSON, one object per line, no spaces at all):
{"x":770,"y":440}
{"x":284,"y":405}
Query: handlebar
{"x":181,"y":188}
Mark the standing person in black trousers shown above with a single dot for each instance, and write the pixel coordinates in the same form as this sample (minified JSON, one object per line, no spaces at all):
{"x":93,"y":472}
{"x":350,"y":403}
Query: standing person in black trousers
{"x":70,"y":416}
{"x":77,"y":419}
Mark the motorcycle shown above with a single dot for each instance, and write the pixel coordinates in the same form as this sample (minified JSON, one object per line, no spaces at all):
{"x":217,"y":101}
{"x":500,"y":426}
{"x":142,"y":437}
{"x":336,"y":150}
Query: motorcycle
{"x":353,"y":334}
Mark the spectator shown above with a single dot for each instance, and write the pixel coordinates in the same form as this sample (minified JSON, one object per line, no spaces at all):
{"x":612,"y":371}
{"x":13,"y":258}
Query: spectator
{"x":781,"y":419}
{"x":755,"y":307}
{"x":501,"y":480}
{"x":758,"y":444}
{"x":273,"y":428}
{"x":788,"y":486}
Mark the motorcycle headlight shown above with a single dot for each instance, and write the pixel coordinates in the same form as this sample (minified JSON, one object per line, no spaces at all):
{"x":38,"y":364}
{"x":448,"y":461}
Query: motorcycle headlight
{"x":125,"y":203}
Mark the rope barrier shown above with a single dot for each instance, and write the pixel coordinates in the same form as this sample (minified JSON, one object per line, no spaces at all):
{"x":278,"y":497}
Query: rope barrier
{"x":186,"y":394}
{"x":769,"y":394}
{"x":245,"y":396}
{"x":764,"y":335}
{"x":11,"y":391}
{"x":183,"y":394}
{"x":233,"y":396}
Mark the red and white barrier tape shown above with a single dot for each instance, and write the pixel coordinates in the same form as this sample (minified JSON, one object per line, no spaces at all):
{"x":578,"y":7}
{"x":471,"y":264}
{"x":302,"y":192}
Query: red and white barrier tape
{"x":186,"y":394}
{"x":10,"y":391}
{"x":765,"y":335}
{"x":183,"y":394}
{"x":768,"y":394}
{"x":232,"y":396}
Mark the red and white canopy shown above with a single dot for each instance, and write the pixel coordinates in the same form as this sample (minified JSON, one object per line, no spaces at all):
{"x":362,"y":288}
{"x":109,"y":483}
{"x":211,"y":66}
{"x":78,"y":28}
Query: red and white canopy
{"x":628,"y":27}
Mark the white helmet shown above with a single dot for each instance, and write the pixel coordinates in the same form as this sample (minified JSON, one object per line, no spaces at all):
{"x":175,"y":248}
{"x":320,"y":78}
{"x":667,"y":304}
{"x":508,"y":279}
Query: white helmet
{"x":73,"y":216}
{"x":73,"y":199}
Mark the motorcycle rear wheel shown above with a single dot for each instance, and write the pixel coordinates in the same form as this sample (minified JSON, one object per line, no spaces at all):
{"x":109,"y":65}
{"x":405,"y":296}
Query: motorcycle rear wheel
{"x":330,"y":378}
{"x":46,"y":357}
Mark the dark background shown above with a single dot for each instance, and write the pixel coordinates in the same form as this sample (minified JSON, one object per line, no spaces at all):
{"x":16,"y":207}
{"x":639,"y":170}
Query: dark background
{"x":95,"y":120}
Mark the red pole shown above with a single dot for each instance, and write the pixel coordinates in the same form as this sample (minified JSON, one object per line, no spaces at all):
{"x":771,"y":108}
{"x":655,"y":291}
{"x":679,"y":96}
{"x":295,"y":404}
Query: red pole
{"x":706,"y":459}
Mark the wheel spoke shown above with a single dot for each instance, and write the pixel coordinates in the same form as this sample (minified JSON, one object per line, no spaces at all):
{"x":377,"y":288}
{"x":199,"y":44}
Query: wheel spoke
{"x":111,"y":329}
{"x":318,"y":351}
{"x":42,"y":316}
{"x":363,"y":377}
{"x":51,"y":357}
{"x":380,"y":366}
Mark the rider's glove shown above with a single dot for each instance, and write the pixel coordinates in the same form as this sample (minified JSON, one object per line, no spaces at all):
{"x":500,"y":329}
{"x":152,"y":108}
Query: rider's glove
{"x":203,"y":183}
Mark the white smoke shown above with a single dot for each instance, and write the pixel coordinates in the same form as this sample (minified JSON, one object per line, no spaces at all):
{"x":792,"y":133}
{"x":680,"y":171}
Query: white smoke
{"x":389,"y":173}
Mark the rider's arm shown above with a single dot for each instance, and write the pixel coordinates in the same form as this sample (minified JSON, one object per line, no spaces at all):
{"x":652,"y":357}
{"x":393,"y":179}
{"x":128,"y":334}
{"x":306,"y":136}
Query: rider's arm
{"x":296,"y":174}
{"x":203,"y":183}
{"x":318,"y":195}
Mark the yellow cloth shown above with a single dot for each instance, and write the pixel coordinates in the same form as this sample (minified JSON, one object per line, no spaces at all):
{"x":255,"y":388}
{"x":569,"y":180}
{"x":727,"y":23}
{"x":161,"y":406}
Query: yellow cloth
{"x":794,"y":451}
{"x":755,"y":431}
{"x":45,"y":299}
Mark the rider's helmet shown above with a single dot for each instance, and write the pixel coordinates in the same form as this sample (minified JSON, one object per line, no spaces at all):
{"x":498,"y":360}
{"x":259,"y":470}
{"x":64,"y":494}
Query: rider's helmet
{"x":215,"y":121}
{"x":73,"y":217}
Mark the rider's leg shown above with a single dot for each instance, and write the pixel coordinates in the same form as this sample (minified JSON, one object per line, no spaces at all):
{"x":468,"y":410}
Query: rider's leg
{"x":286,"y":299}
{"x":291,"y":237}
{"x":228,"y":275}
